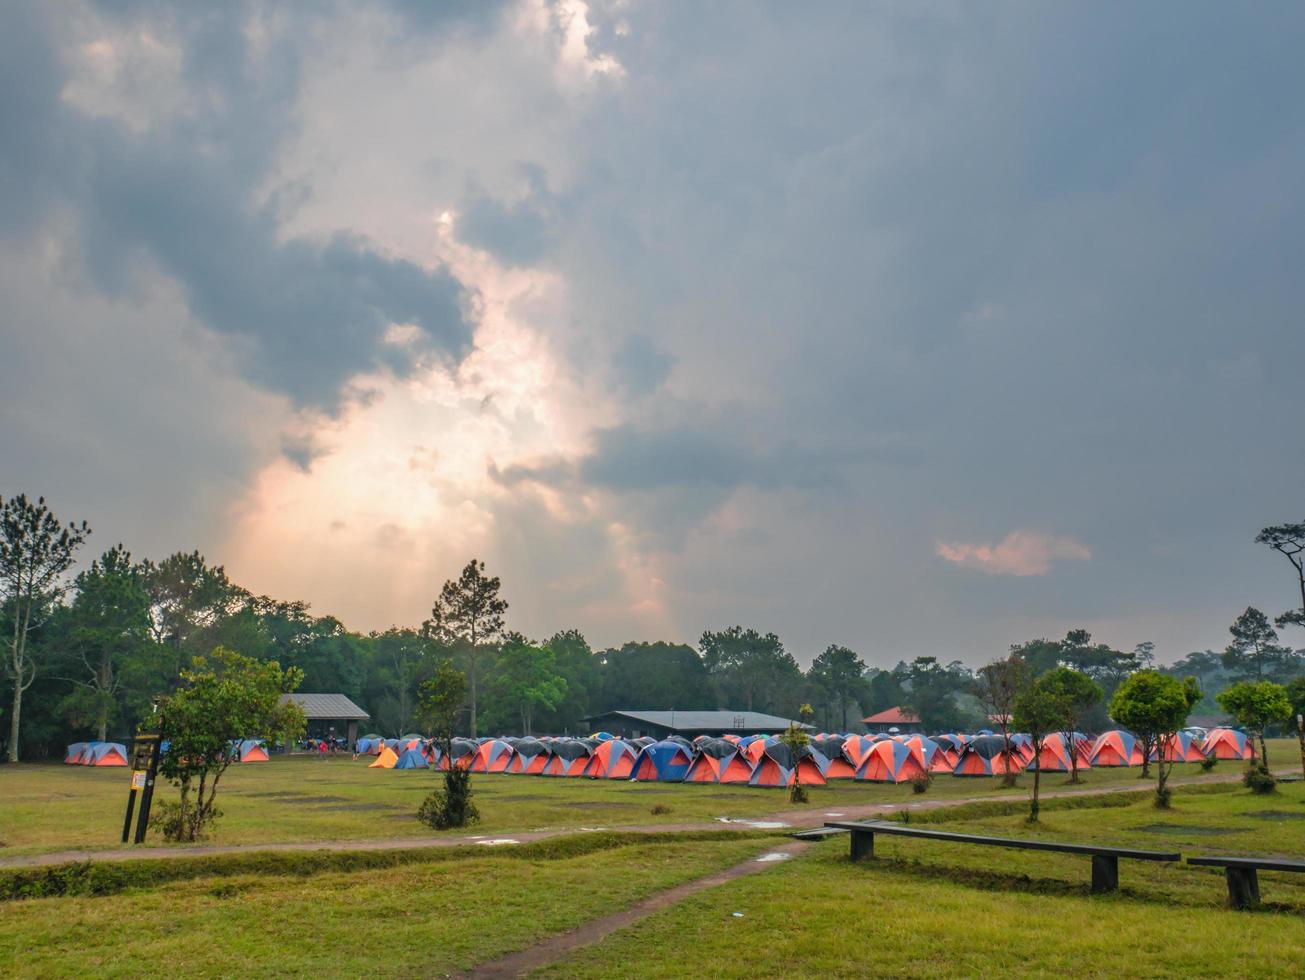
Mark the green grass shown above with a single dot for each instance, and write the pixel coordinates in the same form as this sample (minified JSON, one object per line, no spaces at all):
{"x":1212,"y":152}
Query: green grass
{"x":822,"y":916}
{"x":421,"y":918}
{"x":55,"y":807}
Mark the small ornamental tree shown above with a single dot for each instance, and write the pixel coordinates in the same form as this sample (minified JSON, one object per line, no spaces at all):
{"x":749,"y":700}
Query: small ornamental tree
{"x":36,"y":549}
{"x":1079,"y":694}
{"x":1154,"y":707}
{"x":224,"y":698}
{"x":997,"y":685}
{"x":796,"y":738}
{"x":1256,"y":705}
{"x":1041,"y":709}
{"x":1296,"y":695}
{"x":443,"y":697}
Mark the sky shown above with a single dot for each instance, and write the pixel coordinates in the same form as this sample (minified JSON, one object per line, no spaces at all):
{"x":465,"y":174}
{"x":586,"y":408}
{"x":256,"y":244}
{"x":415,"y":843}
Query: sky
{"x":924,"y":329}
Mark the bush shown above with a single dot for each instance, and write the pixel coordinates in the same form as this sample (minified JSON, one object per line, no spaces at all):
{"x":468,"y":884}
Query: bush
{"x":797,"y":793}
{"x":1208,"y":763}
{"x":450,"y":805}
{"x":659,"y":809}
{"x":1259,"y":780}
{"x":921,"y":782}
{"x":177,"y":823}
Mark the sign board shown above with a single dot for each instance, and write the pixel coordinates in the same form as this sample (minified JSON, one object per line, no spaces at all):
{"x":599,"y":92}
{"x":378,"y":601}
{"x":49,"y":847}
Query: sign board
{"x":144,"y":767}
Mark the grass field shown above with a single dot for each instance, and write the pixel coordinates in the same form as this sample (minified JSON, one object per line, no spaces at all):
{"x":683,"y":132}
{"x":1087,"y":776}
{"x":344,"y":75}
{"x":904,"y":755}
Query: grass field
{"x":419,"y":919}
{"x":919,"y":908}
{"x":932,"y":909}
{"x":56,"y":807}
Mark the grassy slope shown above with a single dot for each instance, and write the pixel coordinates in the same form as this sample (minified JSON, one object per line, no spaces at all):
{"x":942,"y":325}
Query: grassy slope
{"x":932,"y":909}
{"x":51,"y":807}
{"x":418,"y":919}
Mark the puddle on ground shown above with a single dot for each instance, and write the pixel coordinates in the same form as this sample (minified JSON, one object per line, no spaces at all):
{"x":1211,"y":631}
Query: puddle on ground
{"x":773,"y":856}
{"x":831,"y":814}
{"x":757,"y":824}
{"x":1277,"y":815}
{"x":498,"y":840}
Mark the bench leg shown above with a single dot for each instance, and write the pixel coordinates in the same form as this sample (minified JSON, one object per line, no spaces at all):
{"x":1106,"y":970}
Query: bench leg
{"x":1243,"y":887}
{"x":1105,"y":874}
{"x":863,"y":844}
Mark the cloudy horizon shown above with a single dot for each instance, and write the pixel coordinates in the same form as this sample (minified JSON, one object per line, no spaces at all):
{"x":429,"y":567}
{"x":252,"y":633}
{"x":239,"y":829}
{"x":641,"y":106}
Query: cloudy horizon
{"x":924,"y":330}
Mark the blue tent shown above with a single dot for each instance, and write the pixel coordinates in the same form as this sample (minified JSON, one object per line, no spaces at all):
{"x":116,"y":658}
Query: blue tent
{"x":412,"y":759}
{"x":664,"y":761}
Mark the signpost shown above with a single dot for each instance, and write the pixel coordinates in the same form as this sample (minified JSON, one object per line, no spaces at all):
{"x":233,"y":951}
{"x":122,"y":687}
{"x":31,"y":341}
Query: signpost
{"x":144,"y":768}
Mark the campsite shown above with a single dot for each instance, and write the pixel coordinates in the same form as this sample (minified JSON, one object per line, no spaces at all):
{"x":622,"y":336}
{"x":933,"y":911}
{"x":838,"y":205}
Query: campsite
{"x":652,"y":488}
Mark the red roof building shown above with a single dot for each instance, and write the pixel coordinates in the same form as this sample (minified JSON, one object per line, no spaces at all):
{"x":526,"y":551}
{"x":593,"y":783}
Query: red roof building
{"x":894,"y":720}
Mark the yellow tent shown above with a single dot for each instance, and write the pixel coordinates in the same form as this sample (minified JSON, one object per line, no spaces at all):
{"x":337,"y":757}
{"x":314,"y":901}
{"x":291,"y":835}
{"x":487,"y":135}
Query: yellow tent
{"x":385,"y":760}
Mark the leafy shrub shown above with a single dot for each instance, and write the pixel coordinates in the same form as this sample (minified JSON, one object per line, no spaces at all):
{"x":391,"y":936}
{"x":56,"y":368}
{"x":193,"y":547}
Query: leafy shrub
{"x":1259,"y":780}
{"x":921,"y":782}
{"x":797,"y":793}
{"x":175,"y":821}
{"x":659,"y":809}
{"x":450,"y":805}
{"x":1208,"y":763}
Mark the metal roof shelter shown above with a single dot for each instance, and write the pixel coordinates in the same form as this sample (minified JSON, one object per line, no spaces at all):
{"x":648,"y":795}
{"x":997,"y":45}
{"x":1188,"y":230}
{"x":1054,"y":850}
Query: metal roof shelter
{"x":894,"y":720}
{"x":635,"y":723}
{"x":330,"y":708}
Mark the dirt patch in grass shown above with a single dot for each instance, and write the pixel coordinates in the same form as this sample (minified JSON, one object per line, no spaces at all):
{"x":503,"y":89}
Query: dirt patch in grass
{"x":1277,"y":815}
{"x":350,"y":807}
{"x":1183,"y":829}
{"x":284,"y":797}
{"x":583,"y":805}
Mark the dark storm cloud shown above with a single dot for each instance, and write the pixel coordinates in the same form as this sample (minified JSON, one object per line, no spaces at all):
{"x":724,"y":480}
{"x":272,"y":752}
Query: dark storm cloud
{"x":183,"y":196}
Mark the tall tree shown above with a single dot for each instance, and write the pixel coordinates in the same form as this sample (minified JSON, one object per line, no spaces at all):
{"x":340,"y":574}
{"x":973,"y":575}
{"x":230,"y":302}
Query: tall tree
{"x":1079,"y":694}
{"x":997,"y":685}
{"x":1289,"y":541}
{"x":931,"y":690}
{"x":1154,"y":707}
{"x":839,"y":673}
{"x":752,"y":670}
{"x":1254,"y":652}
{"x":526,"y":679}
{"x":110,"y":633}
{"x":443,"y":696}
{"x":189,"y":600}
{"x":36,"y":550}
{"x":1296,"y":695}
{"x":1040,"y":710}
{"x":1256,"y":705}
{"x":658,"y":676}
{"x":579,"y":667}
{"x":469,"y":613}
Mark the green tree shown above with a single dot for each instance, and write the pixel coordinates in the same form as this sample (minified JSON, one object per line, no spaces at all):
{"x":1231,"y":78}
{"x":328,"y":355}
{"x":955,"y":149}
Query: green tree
{"x":797,"y":740}
{"x":884,"y":690}
{"x":443,"y":699}
{"x":189,"y":600}
{"x":658,"y":676}
{"x":1289,"y":541}
{"x":469,"y":613}
{"x":931,"y":690}
{"x":1080,"y":694}
{"x":109,"y":631}
{"x":36,"y":550}
{"x":1040,"y":710}
{"x":1256,"y":705}
{"x":1296,"y":695}
{"x":578,"y":666}
{"x":1154,"y":707}
{"x":1254,"y":652}
{"x":751,"y":670}
{"x":224,"y":697}
{"x":839,"y":673}
{"x":400,"y":657}
{"x":997,"y":685}
{"x":526,"y":679}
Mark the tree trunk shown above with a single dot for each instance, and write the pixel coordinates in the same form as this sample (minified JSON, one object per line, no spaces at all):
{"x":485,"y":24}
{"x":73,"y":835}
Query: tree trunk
{"x":1264,"y":753}
{"x":471,"y":676}
{"x":13,"y":717}
{"x":1033,"y":808}
{"x":1300,"y":736}
{"x":103,"y":726}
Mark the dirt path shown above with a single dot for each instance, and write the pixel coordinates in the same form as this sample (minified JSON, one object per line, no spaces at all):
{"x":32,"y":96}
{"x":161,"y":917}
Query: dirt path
{"x":551,"y":950}
{"x":796,"y":819}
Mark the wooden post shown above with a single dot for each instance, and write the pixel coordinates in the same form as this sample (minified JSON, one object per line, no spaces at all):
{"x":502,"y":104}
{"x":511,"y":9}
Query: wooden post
{"x":1243,"y":887}
{"x":1105,"y":874}
{"x":863,"y":844}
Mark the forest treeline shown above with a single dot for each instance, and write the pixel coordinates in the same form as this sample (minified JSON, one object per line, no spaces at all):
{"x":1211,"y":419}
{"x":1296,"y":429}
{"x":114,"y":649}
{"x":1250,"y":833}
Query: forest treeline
{"x":100,"y":641}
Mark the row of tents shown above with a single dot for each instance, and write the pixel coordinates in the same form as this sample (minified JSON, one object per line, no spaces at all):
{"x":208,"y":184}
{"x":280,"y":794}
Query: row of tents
{"x":115,"y":753}
{"x":760,"y":760}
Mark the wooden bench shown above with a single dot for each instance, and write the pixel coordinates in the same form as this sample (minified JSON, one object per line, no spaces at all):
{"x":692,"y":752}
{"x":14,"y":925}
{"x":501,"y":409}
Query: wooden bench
{"x":818,"y":833}
{"x":1105,"y":860}
{"x":1242,"y":875}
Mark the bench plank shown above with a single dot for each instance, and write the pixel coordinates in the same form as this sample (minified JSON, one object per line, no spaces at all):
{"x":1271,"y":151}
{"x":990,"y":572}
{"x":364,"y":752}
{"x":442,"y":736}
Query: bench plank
{"x":904,"y":830}
{"x":1254,"y":863}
